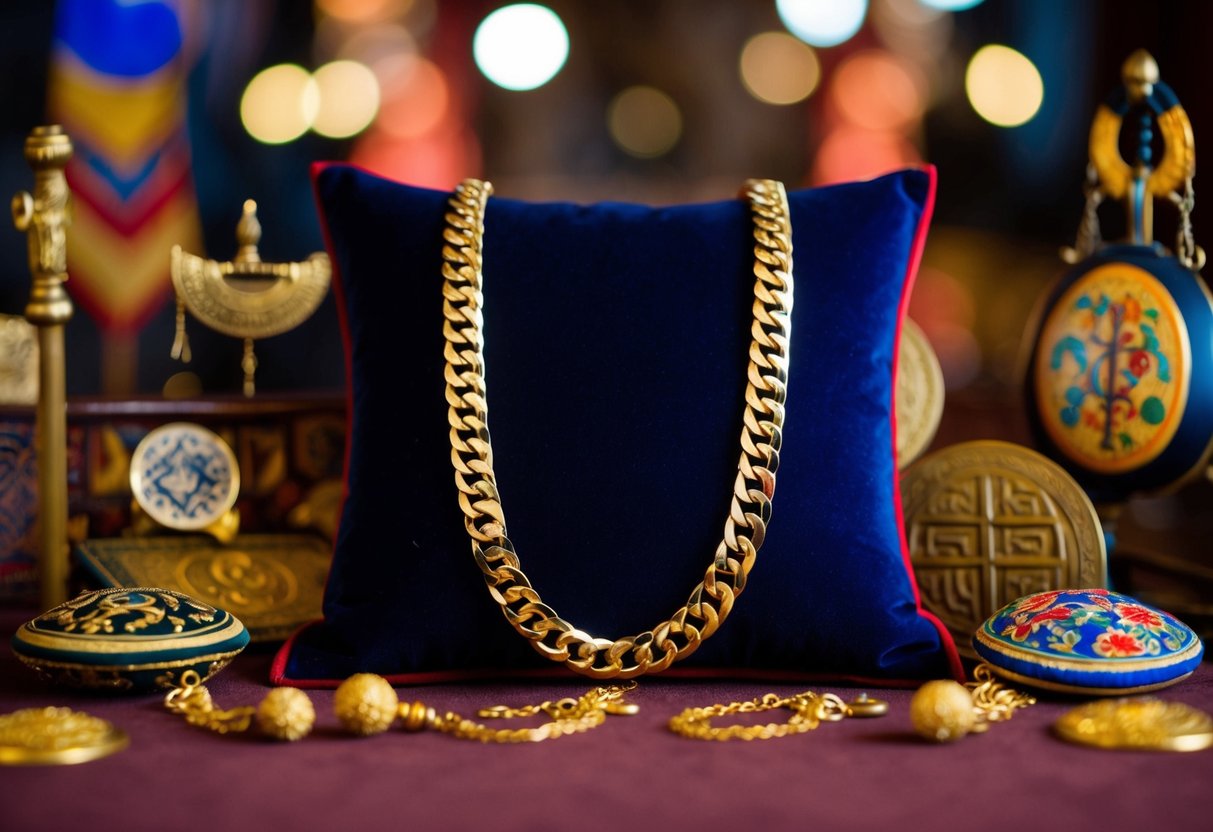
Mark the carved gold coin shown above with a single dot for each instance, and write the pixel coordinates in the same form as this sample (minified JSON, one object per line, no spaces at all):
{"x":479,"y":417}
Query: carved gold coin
{"x":989,"y":522}
{"x":1142,"y":723}
{"x":919,"y":395}
{"x":56,"y":736}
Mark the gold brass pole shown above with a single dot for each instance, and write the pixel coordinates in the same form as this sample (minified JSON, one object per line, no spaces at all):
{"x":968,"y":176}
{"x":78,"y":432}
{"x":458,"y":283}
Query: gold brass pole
{"x":44,"y":216}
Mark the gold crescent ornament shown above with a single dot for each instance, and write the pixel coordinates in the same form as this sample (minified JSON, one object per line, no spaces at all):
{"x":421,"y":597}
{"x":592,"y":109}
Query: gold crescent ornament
{"x":245,"y":297}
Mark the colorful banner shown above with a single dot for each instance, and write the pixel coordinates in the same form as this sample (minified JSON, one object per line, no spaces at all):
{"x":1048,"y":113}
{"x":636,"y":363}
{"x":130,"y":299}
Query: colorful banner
{"x":118,"y":87}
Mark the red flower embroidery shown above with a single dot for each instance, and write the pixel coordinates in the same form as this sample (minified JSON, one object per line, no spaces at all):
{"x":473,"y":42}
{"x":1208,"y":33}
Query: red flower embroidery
{"x":1024,"y":628}
{"x":1116,"y":643}
{"x":1131,"y":614}
{"x":1036,"y":602}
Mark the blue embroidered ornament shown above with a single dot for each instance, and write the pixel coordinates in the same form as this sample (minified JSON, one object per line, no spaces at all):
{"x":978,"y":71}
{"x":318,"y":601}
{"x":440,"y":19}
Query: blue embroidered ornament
{"x":1118,"y":387}
{"x":1088,"y":641}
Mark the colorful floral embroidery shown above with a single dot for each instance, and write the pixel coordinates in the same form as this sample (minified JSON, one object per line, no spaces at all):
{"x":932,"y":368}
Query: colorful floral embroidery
{"x":1117,"y":643}
{"x":1131,"y":614}
{"x":1094,"y":623}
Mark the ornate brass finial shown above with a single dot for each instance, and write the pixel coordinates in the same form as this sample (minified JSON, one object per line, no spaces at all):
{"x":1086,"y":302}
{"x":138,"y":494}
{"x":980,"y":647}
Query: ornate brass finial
{"x":1139,"y":73}
{"x":44,"y":216}
{"x":1152,"y":111}
{"x":248,"y":235}
{"x":245,"y":297}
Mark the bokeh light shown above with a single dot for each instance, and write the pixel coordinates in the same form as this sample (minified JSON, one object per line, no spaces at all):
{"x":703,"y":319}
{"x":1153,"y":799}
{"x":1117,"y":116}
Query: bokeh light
{"x":853,"y":153}
{"x":1004,"y":87}
{"x":909,"y":28}
{"x":349,"y":99}
{"x":878,"y":90}
{"x":521,"y":47}
{"x":371,"y":44}
{"x":822,"y":22}
{"x":416,"y":97}
{"x":779,"y":69}
{"x":951,"y":5}
{"x":363,"y":11}
{"x":644,"y":122}
{"x":279,"y":104}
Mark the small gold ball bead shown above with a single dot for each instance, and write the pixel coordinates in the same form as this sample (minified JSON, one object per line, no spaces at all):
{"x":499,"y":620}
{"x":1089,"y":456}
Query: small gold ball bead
{"x":286,"y":714}
{"x":942,"y":711}
{"x":365,"y":704}
{"x":416,"y":716}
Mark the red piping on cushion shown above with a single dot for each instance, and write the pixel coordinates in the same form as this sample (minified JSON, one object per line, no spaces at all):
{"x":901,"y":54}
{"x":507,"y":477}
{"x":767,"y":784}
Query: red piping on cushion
{"x":278,"y":668}
{"x":920,"y":242}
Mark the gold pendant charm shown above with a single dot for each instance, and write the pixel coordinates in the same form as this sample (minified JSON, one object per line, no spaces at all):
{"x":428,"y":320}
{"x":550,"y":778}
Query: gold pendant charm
{"x":56,"y":736}
{"x":1141,"y":724}
{"x":246,"y":298}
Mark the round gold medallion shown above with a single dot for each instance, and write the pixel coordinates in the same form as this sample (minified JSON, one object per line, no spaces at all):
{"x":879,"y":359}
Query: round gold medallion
{"x":56,"y":736}
{"x":1112,"y":369}
{"x":919,"y":395}
{"x":989,"y":522}
{"x":1144,"y":724}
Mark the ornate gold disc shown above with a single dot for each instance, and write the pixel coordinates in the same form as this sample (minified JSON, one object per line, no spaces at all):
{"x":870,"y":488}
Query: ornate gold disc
{"x":1142,"y":723}
{"x":920,"y":394}
{"x":56,"y":736}
{"x":988,"y":522}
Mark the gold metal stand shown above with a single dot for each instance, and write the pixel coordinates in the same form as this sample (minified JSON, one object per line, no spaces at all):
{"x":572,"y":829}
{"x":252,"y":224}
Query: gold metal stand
{"x":44,"y":216}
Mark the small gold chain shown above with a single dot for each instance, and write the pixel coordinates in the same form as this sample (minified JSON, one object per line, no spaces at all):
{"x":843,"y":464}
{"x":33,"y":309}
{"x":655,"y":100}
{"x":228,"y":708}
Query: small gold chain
{"x":472,"y":453}
{"x":993,"y":701}
{"x":808,"y":709}
{"x":366,"y":704}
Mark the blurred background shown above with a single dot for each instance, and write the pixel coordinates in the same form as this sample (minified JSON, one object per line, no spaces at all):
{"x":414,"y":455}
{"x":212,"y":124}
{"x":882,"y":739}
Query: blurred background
{"x":181,"y":109}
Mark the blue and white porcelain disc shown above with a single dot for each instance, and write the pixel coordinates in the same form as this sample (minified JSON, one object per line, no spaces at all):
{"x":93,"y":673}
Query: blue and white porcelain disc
{"x":184,"y":477}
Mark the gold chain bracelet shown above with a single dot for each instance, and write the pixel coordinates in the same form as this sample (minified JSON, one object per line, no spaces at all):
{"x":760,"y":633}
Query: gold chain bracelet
{"x":472,"y":453}
{"x":366,"y":704}
{"x":808,"y":709}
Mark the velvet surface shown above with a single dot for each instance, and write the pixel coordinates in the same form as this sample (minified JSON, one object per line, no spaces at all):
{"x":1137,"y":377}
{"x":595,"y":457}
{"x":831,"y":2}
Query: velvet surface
{"x":630,"y":773}
{"x":616,"y":341}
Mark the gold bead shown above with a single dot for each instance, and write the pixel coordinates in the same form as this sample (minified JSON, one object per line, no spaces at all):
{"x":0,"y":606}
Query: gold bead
{"x":942,"y":711}
{"x":365,"y":704}
{"x":417,"y":716}
{"x":286,"y":714}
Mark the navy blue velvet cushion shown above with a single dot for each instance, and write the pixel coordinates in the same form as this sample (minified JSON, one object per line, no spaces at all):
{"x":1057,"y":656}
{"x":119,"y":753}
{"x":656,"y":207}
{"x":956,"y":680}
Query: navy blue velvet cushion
{"x":616,"y":344}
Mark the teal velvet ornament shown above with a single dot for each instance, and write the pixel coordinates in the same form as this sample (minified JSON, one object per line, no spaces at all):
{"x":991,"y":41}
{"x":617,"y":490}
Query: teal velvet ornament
{"x":134,"y":640}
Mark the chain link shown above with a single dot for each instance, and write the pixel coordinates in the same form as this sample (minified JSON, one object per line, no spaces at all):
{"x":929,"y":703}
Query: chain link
{"x":472,"y":455}
{"x":192,"y":700}
{"x":809,"y":710}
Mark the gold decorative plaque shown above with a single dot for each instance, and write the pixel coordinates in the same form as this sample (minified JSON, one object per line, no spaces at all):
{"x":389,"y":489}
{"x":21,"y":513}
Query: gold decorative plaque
{"x":920,"y":394}
{"x":1143,"y":724}
{"x":989,"y":522}
{"x":272,"y":583}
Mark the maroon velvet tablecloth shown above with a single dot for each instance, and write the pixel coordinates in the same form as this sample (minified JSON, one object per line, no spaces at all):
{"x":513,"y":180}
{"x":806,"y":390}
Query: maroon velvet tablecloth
{"x":629,"y":774}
